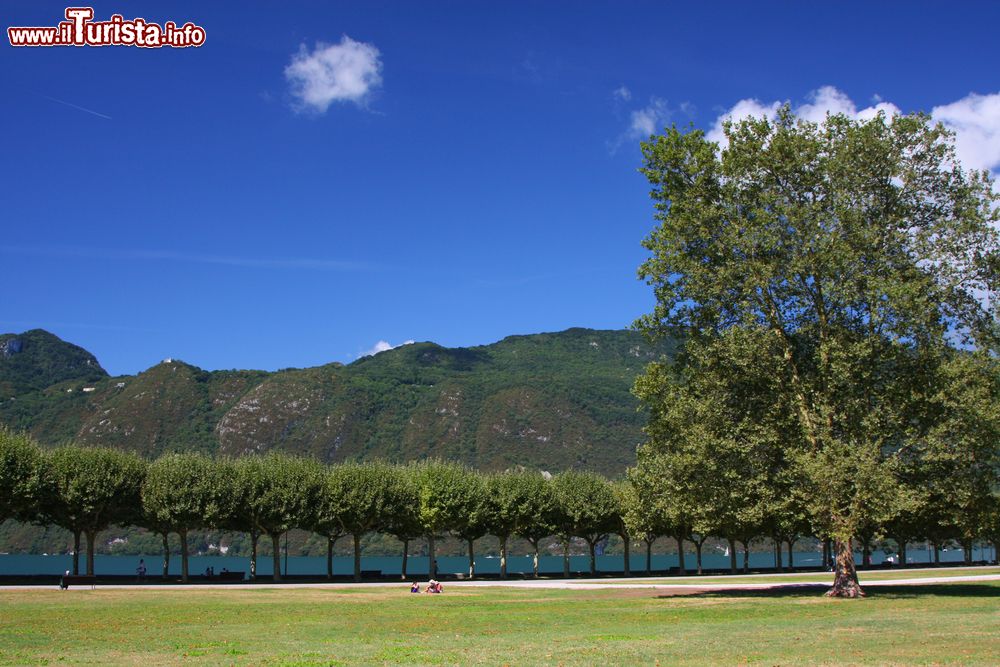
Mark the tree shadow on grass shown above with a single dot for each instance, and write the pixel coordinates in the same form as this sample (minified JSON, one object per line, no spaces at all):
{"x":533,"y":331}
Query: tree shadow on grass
{"x":813,"y":590}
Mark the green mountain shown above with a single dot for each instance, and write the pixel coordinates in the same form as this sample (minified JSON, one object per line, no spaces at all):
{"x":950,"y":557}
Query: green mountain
{"x":552,"y":401}
{"x":37,"y":359}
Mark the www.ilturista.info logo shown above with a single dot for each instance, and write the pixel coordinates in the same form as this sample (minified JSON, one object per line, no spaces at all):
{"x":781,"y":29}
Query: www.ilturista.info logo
{"x":79,"y":29}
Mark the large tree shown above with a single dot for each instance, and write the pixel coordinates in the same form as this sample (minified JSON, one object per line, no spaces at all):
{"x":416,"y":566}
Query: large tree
{"x":326,"y":516}
{"x":403,"y":521}
{"x":85,"y":490}
{"x":537,"y":512}
{"x":855,"y":256}
{"x":181,"y":494}
{"x":268,"y":495}
{"x":506,"y":494}
{"x":589,"y":508}
{"x":362,"y":493}
{"x":473,"y":524}
{"x":640,"y":506}
{"x":444,"y":501}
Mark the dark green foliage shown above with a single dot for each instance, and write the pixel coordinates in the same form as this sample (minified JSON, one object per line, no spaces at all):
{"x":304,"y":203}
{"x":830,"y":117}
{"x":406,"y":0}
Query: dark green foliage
{"x":519,"y":502}
{"x":588,"y":508}
{"x":403,"y":522}
{"x":361,"y":497}
{"x":20,"y":468}
{"x":449,"y":499}
{"x":85,"y":490}
{"x":269,"y":495}
{"x":36,"y":359}
{"x":822,"y":276}
{"x":181,"y":493}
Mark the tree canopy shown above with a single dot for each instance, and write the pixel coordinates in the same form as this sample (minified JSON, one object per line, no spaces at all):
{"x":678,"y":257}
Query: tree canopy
{"x":823,"y":276}
{"x":588,"y":508}
{"x":20,"y":465}
{"x":85,"y":490}
{"x":181,"y":493}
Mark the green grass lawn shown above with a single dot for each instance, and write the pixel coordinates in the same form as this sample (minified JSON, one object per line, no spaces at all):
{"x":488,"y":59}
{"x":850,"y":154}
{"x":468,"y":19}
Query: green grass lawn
{"x":932,"y":624}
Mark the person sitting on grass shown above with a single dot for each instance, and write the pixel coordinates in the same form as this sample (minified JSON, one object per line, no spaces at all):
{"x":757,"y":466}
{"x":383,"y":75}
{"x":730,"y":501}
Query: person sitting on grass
{"x":415,"y":588}
{"x":434,"y":586}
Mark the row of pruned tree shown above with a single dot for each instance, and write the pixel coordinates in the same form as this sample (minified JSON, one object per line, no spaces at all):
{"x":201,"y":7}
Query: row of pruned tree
{"x":86,"y":490}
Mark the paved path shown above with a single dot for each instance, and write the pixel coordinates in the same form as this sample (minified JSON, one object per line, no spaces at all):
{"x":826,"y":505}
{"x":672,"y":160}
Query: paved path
{"x":768,"y":581}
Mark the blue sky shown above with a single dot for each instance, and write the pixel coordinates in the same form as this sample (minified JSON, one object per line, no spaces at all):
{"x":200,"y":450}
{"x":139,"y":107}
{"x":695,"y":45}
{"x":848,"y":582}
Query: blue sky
{"x":320,"y":176}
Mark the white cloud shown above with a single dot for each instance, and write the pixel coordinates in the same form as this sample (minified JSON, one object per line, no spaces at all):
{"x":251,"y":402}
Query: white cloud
{"x":622,"y":93}
{"x":383,"y":346}
{"x":644,"y":122}
{"x":975,"y":119}
{"x":344,"y":72}
{"x":743,"y":109}
{"x":820,"y":102}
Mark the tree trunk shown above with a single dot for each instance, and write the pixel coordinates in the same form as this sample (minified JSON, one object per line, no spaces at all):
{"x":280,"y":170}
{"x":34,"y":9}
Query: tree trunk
{"x":591,"y":544}
{"x":431,"y":561}
{"x":254,"y":536}
{"x":166,"y":555}
{"x":937,"y":553}
{"x":276,"y":555}
{"x":697,"y":553}
{"x":472,"y":559}
{"x":777,"y":554}
{"x":826,"y":552}
{"x":791,"y":557}
{"x":732,"y":556}
{"x":406,"y":549}
{"x":329,"y":556}
{"x":649,"y":558}
{"x":534,"y":560}
{"x":746,"y":557}
{"x":357,"y":557}
{"x":503,"y":557}
{"x":680,"y":555}
{"x":566,"y":559}
{"x":866,"y":552}
{"x":845,"y":578}
{"x":76,"y":552}
{"x":627,"y":542}
{"x":91,"y":538}
{"x":184,"y":554}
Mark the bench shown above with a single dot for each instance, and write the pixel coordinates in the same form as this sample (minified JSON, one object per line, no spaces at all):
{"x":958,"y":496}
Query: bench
{"x":68,"y":580}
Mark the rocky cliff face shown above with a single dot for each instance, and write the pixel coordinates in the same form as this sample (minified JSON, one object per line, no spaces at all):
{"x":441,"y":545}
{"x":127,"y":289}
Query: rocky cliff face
{"x":10,"y":347}
{"x":553,"y":401}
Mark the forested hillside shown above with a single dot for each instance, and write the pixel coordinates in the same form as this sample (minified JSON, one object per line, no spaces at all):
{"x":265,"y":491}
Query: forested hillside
{"x":554,"y":401}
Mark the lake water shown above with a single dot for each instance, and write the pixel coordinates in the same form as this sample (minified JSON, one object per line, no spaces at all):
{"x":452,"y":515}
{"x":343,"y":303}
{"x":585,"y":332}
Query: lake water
{"x":19,"y":564}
